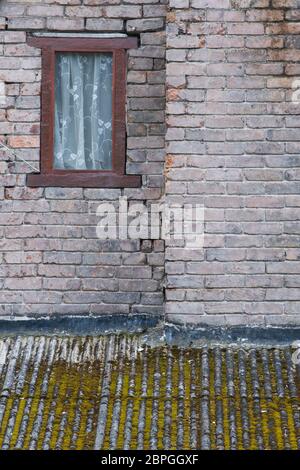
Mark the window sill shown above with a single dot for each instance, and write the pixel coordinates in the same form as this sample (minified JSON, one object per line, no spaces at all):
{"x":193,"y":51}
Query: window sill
{"x":90,"y":180}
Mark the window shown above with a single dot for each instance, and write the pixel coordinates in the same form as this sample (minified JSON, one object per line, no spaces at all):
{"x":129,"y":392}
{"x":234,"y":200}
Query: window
{"x":83,"y":111}
{"x":83,"y":128}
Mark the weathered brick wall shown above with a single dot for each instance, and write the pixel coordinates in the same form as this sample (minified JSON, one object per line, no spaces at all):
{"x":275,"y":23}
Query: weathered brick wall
{"x":233,"y":145}
{"x":51,"y":260}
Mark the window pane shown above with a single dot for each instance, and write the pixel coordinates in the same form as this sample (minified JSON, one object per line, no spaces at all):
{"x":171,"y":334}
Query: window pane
{"x":83,"y":111}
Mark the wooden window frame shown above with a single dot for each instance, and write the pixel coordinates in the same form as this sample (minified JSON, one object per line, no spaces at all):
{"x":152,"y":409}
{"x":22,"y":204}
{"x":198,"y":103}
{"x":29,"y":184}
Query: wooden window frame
{"x":49,"y":176}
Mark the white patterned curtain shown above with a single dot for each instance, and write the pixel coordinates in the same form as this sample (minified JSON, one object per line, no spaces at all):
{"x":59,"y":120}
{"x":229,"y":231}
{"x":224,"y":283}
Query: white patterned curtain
{"x":83,"y":111}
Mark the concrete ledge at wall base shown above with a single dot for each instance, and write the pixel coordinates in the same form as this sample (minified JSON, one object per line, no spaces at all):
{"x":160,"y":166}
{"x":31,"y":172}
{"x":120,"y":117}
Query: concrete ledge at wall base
{"x":155,"y":331}
{"x":79,"y":325}
{"x":203,"y":335}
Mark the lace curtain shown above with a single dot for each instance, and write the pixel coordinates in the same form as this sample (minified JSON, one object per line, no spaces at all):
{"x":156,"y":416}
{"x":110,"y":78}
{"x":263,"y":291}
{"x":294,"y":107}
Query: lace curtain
{"x":83,"y":111}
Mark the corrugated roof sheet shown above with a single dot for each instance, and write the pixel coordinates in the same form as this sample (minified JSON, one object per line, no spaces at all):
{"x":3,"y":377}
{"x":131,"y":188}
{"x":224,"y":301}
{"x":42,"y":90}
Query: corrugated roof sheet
{"x":114,"y":392}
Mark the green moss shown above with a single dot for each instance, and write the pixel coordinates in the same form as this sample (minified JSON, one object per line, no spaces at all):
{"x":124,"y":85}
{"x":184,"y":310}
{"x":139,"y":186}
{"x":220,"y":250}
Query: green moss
{"x":74,"y":392}
{"x":136,"y":402}
{"x":212,"y":401}
{"x":288,"y":403}
{"x":123,"y":412}
{"x":225,"y":402}
{"x":162,"y":401}
{"x":149,"y":400}
{"x":175,"y":393}
{"x":187,"y":400}
{"x":275,"y":407}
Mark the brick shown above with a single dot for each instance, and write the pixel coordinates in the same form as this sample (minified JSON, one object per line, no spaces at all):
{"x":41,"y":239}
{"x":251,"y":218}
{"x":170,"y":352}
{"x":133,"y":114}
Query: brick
{"x":59,"y":257}
{"x":210,"y":4}
{"x":56,"y":271}
{"x":63,"y":193}
{"x":30,"y":23}
{"x":65,"y":24}
{"x":147,"y":24}
{"x":84,"y":11}
{"x":58,"y":284}
{"x":12,"y":76}
{"x":99,"y":284}
{"x":45,"y":10}
{"x":123,"y":11}
{"x":23,"y":141}
{"x":245,"y":28}
{"x":104,"y":24}
{"x":25,"y":283}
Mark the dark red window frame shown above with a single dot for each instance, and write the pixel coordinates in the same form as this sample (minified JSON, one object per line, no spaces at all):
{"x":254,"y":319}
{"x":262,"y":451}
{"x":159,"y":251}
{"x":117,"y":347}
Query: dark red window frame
{"x":49,"y":176}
